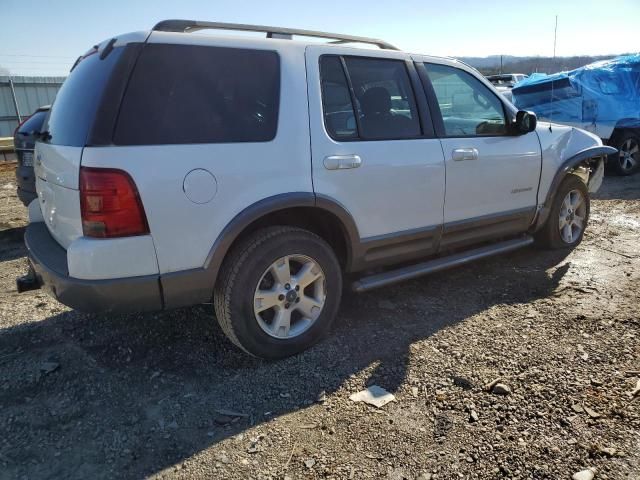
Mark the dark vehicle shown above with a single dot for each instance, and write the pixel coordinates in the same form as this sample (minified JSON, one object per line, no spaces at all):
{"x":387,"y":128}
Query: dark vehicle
{"x":505,"y":82}
{"x":24,"y":139}
{"x":507,"y":79}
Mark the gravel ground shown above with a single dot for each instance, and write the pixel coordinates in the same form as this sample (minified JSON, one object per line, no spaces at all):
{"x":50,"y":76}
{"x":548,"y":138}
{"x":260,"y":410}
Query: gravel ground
{"x":129,"y":396}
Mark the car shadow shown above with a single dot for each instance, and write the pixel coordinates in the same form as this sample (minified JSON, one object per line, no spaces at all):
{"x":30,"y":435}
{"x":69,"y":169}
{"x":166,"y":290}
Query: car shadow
{"x":131,"y":395}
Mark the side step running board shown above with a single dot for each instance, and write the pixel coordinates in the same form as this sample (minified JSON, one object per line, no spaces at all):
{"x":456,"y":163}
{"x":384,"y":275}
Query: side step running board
{"x":438,"y":264}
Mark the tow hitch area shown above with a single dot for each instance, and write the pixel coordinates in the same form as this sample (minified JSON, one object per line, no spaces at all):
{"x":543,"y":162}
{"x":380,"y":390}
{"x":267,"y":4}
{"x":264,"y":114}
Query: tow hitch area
{"x":28,"y":282}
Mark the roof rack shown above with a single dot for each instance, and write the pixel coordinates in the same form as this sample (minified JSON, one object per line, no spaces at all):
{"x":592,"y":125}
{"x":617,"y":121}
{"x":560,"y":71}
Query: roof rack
{"x":187,"y":26}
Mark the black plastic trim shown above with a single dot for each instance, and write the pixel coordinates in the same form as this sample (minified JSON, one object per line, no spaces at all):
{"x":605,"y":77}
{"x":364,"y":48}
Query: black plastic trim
{"x":251,"y":214}
{"x":438,"y":264}
{"x":432,"y":99}
{"x":398,"y":247}
{"x":103,"y":128}
{"x":424,"y":110}
{"x":188,"y":287}
{"x":467,"y":232}
{"x":196,"y":285}
{"x":565,"y":168}
{"x":48,"y":261}
{"x":349,"y":228}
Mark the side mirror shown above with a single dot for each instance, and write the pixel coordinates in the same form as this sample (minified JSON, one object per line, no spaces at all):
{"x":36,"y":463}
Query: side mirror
{"x":525,"y":122}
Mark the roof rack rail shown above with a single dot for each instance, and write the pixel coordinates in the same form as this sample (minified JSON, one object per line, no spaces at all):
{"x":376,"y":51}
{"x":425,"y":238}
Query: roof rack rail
{"x":186,"y":26}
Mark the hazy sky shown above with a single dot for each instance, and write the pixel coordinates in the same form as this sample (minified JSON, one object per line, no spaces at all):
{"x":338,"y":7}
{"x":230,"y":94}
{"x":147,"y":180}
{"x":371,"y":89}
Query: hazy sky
{"x":45,"y":37}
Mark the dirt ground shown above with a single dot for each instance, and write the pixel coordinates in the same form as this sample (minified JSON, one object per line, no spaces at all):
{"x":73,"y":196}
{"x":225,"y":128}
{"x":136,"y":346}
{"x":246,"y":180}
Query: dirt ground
{"x":166,"y":395}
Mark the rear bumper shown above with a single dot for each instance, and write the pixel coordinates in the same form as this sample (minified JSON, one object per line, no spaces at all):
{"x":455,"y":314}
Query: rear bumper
{"x":48,"y":262}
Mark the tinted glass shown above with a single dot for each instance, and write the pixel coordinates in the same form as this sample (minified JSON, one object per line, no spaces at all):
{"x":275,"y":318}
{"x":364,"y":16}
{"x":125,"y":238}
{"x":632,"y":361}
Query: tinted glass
{"x":74,"y":108}
{"x":386,"y":105}
{"x":194,"y":94}
{"x":339,"y":117}
{"x":467,"y":106}
{"x":33,"y":124}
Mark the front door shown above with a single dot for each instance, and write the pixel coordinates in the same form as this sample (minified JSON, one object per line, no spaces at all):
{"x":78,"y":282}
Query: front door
{"x":492,"y":175}
{"x":373,"y":151}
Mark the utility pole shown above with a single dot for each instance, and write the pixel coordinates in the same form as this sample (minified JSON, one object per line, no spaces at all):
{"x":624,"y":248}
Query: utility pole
{"x":15,"y":100}
{"x":555,"y":38}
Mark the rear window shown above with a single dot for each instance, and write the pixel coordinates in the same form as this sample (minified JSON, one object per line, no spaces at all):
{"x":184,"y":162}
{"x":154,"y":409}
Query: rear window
{"x":195,"y":94}
{"x":74,"y":108}
{"x":33,"y":123}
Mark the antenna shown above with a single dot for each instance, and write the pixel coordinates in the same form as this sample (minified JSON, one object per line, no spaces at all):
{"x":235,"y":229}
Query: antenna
{"x":555,"y":38}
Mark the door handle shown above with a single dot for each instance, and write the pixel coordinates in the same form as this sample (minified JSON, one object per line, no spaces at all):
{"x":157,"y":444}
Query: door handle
{"x":461,"y":154}
{"x":341,"y":162}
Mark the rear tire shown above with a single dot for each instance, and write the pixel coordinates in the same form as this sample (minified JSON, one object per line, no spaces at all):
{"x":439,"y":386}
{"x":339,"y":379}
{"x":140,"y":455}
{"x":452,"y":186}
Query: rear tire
{"x":627,"y":160}
{"x":254,"y":308}
{"x":568,"y":217}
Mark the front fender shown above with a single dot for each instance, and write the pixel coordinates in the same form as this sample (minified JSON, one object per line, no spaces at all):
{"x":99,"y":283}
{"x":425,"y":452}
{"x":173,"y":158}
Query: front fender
{"x":572,"y":162}
{"x":568,"y":165}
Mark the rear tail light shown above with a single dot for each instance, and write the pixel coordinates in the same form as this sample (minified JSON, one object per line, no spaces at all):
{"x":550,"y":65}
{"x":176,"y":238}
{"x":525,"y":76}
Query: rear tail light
{"x":110,"y":204}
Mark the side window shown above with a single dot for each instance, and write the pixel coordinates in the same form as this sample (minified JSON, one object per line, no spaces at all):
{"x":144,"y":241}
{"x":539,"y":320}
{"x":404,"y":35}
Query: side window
{"x":195,"y":94}
{"x":467,"y":106}
{"x":386,"y":104}
{"x":384,"y":101}
{"x":339,"y":118}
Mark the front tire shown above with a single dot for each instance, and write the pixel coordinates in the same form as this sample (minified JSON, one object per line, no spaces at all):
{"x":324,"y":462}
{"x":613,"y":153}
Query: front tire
{"x":568,"y":217}
{"x":278,"y":292}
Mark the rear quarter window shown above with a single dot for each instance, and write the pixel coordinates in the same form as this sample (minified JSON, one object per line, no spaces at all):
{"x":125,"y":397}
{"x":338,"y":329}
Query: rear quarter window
{"x":196,"y":94}
{"x":74,"y":109}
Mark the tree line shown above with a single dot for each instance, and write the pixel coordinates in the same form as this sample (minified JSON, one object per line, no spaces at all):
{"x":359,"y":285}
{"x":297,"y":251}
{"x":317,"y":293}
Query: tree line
{"x":529,"y":65}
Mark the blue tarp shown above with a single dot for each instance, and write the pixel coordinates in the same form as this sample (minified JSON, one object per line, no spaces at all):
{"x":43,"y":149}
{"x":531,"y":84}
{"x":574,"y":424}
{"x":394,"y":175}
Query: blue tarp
{"x":597,"y":97}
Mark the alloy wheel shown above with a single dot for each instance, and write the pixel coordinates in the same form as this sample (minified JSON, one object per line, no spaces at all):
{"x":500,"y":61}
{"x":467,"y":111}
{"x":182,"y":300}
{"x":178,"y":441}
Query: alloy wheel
{"x":573,"y":211}
{"x":290,"y":296}
{"x":629,"y":154}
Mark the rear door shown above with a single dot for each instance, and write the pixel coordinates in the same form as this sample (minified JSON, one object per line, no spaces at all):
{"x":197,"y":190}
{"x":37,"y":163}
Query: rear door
{"x":373,"y":149}
{"x":492,"y":175}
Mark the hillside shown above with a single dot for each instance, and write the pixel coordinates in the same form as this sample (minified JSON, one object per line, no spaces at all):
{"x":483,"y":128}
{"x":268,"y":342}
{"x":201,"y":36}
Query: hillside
{"x":511,"y":64}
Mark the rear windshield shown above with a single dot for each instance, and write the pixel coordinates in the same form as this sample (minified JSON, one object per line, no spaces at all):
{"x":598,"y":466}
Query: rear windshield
{"x":76,"y":103}
{"x":34,"y":123}
{"x":195,"y":94}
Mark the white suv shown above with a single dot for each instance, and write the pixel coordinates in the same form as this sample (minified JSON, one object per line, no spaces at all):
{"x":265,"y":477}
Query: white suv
{"x":263,"y":172}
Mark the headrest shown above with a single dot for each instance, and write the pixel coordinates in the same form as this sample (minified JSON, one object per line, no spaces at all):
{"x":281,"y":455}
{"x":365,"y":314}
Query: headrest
{"x":376,"y":101}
